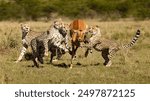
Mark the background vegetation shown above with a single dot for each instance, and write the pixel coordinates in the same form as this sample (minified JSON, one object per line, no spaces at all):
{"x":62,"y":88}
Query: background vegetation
{"x":105,"y":9}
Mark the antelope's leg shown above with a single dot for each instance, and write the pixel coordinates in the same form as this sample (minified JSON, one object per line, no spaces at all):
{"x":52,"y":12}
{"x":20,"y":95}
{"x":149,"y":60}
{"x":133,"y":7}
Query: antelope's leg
{"x":74,"y":49}
{"x":72,"y":55}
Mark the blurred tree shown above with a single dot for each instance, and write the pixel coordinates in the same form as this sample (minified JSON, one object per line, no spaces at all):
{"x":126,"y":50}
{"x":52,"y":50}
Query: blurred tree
{"x":34,"y":9}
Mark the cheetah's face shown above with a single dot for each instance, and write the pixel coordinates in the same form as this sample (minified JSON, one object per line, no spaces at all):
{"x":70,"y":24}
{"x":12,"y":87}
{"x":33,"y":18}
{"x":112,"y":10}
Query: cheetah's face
{"x":93,"y":30}
{"x":58,"y":24}
{"x":65,"y":27}
{"x":25,"y":28}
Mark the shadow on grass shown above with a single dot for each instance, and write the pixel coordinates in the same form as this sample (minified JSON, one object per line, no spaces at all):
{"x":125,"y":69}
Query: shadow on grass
{"x":32,"y":66}
{"x":87,"y":65}
{"x":64,"y":65}
{"x":78,"y":64}
{"x":60,"y":65}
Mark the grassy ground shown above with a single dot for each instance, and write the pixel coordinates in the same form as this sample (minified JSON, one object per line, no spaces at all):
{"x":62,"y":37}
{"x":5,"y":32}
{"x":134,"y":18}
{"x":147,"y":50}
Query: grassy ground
{"x":131,"y":66}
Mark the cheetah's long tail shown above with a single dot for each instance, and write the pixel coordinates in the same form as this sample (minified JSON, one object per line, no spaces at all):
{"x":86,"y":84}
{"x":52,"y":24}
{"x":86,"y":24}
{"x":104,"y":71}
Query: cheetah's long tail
{"x":133,"y":41}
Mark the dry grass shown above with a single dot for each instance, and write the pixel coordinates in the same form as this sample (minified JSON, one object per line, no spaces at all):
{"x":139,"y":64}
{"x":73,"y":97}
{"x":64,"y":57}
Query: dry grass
{"x":131,"y":66}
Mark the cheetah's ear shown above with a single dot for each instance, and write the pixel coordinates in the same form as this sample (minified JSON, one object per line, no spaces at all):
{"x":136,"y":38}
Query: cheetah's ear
{"x":97,"y":26}
{"x":58,"y":20}
{"x":67,"y":24}
{"x":21,"y":24}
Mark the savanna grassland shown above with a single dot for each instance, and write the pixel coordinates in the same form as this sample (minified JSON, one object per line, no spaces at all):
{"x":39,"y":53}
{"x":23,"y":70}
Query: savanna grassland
{"x":130,"y":66}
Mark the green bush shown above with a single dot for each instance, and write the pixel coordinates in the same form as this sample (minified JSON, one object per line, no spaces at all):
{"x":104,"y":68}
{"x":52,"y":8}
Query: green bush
{"x":34,"y":9}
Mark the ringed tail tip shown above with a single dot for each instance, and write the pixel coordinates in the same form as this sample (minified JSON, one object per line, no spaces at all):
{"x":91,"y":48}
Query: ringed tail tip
{"x":138,"y":32}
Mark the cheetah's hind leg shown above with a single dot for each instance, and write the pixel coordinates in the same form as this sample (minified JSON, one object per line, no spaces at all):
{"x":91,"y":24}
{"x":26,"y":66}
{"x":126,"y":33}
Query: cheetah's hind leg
{"x":105,"y":55}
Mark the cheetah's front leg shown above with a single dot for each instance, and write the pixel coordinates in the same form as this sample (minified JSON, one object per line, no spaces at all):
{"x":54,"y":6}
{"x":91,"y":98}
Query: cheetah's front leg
{"x":23,"y":51}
